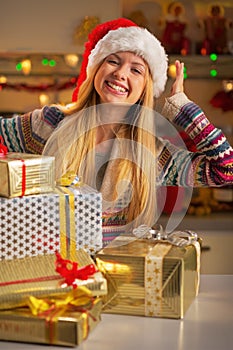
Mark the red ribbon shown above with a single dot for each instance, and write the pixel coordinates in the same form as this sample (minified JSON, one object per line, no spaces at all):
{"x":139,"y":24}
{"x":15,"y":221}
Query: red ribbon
{"x":3,"y":148}
{"x":30,"y":280}
{"x":23,"y":177}
{"x":70,"y":271}
{"x":55,"y":311}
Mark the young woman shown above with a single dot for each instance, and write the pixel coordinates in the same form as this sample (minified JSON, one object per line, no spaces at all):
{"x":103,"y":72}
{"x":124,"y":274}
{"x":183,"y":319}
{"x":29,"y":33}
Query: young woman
{"x":107,"y":135}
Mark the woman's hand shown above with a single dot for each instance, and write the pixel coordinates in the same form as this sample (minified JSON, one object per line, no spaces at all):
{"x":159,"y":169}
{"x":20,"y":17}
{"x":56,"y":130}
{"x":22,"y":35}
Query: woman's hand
{"x":178,"y":85}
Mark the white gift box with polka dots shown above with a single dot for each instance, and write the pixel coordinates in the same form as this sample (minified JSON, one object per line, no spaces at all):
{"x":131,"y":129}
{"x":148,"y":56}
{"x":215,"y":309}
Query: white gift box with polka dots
{"x":46,"y":223}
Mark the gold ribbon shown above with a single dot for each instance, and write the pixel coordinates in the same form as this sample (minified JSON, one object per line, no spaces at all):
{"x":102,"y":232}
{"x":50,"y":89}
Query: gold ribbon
{"x":154,"y":260}
{"x":76,"y":297}
{"x":153,"y":279}
{"x":69,"y":179}
{"x":67,"y":222}
{"x":79,"y":299}
{"x":67,"y":213}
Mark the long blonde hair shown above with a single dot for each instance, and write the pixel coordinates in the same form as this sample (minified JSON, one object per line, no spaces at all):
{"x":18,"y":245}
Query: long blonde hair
{"x":73,"y":145}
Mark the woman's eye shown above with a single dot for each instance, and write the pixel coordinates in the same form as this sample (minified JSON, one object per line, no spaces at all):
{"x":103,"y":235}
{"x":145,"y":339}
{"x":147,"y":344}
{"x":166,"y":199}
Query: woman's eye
{"x":137,"y":71}
{"x":112,"y":62}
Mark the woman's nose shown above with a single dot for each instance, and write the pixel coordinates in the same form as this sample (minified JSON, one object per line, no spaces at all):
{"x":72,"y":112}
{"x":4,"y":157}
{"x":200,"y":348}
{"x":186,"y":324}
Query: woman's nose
{"x":121,"y":72}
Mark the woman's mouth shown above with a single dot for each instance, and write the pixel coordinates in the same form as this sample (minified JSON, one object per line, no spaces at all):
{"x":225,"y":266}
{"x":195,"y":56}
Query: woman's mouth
{"x":116,"y":87}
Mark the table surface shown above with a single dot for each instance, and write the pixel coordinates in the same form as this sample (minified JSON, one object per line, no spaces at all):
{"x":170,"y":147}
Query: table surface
{"x":207,"y":325}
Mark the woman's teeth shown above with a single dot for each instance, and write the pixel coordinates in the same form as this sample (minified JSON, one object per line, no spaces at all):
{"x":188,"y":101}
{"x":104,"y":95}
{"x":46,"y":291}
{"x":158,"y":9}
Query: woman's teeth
{"x":116,"y":87}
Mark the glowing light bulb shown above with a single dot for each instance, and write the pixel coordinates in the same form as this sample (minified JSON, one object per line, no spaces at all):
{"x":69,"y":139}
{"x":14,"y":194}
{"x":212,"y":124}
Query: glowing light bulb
{"x":3,"y":79}
{"x":44,"y":99}
{"x":52,"y":63}
{"x":45,"y":62}
{"x":71,"y":60}
{"x":213,"y":57}
{"x":172,"y":70}
{"x":213,"y":73}
{"x":228,"y":85}
{"x":203,"y":51}
{"x":26,"y":66}
{"x":18,"y":66}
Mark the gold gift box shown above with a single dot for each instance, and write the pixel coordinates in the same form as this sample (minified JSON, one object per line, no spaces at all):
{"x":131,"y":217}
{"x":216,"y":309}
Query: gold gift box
{"x":149,"y":278}
{"x":25,"y":174}
{"x":36,"y":276}
{"x":68,"y":330}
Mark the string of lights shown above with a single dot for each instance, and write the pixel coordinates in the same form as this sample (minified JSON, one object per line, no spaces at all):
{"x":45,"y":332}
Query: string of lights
{"x":46,"y":73}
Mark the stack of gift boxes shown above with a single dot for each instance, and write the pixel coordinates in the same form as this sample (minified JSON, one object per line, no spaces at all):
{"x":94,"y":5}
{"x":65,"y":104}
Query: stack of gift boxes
{"x":40,"y":219}
{"x":55,"y":276}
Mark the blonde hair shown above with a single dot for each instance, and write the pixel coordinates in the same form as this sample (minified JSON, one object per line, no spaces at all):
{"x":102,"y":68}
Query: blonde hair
{"x":73,"y":145}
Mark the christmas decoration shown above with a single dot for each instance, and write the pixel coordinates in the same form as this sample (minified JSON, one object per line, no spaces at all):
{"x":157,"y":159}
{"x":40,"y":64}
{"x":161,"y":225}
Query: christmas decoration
{"x":86,"y":26}
{"x":174,"y":26}
{"x":215,"y":27}
{"x":71,"y":83}
{"x":139,"y":18}
{"x":224,"y":100}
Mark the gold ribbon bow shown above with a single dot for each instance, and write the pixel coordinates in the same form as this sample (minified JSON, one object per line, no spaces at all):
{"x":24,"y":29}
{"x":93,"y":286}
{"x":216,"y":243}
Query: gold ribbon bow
{"x":79,"y":299}
{"x":69,"y":179}
{"x":53,"y":308}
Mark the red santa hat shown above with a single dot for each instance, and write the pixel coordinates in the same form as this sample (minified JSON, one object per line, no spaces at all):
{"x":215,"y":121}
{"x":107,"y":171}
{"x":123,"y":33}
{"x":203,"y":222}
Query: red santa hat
{"x":124,"y":35}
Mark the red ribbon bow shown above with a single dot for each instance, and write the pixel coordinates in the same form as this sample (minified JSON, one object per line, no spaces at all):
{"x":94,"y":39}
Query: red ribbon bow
{"x":70,"y":271}
{"x":3,"y":148}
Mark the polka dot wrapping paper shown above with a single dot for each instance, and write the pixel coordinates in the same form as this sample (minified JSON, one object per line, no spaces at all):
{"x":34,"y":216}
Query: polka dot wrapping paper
{"x":67,"y":219}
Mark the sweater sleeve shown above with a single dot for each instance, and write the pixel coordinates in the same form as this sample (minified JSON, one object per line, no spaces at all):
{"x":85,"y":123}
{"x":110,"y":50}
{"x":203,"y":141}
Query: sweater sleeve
{"x":211,"y":165}
{"x":28,"y":133}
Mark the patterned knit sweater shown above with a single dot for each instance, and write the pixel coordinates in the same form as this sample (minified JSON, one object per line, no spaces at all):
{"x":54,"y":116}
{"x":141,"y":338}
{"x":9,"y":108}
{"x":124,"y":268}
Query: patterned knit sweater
{"x":29,"y":132}
{"x":211,"y":165}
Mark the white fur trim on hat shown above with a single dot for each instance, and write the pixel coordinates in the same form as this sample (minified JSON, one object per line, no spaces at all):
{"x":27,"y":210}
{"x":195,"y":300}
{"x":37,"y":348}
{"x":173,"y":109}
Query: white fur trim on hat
{"x":142,"y":43}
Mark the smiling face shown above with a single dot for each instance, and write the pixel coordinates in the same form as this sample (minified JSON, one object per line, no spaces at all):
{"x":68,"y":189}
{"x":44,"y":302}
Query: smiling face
{"x":121,"y":78}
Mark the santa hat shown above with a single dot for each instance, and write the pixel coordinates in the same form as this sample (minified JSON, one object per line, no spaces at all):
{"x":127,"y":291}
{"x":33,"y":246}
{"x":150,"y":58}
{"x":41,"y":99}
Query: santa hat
{"x":124,"y":35}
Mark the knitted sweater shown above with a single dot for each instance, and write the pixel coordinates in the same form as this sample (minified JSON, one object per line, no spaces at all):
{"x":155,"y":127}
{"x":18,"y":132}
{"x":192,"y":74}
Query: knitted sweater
{"x":212,"y":165}
{"x":29,"y":132}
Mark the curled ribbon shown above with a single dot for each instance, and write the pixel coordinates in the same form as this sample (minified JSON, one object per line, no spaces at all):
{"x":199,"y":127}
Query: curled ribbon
{"x":3,"y":148}
{"x":70,"y":271}
{"x":69,"y":179}
{"x":156,"y":233}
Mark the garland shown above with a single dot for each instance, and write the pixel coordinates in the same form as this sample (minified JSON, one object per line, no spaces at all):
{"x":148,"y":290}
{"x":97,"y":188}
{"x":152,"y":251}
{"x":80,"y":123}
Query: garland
{"x":70,"y":84}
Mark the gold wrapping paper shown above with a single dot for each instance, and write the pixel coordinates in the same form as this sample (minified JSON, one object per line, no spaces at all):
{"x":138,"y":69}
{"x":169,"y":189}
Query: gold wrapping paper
{"x":36,"y":276}
{"x":67,"y":330}
{"x":25,"y":174}
{"x":149,"y":278}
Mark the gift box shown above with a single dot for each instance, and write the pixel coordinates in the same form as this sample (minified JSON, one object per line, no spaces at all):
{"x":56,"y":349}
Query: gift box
{"x":65,"y":220}
{"x":24,"y":174}
{"x":48,"y":275}
{"x":70,"y":329}
{"x":149,"y":277}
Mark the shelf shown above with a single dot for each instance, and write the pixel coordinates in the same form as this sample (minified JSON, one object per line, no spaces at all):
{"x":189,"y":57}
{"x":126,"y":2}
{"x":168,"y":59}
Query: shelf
{"x":198,"y":67}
